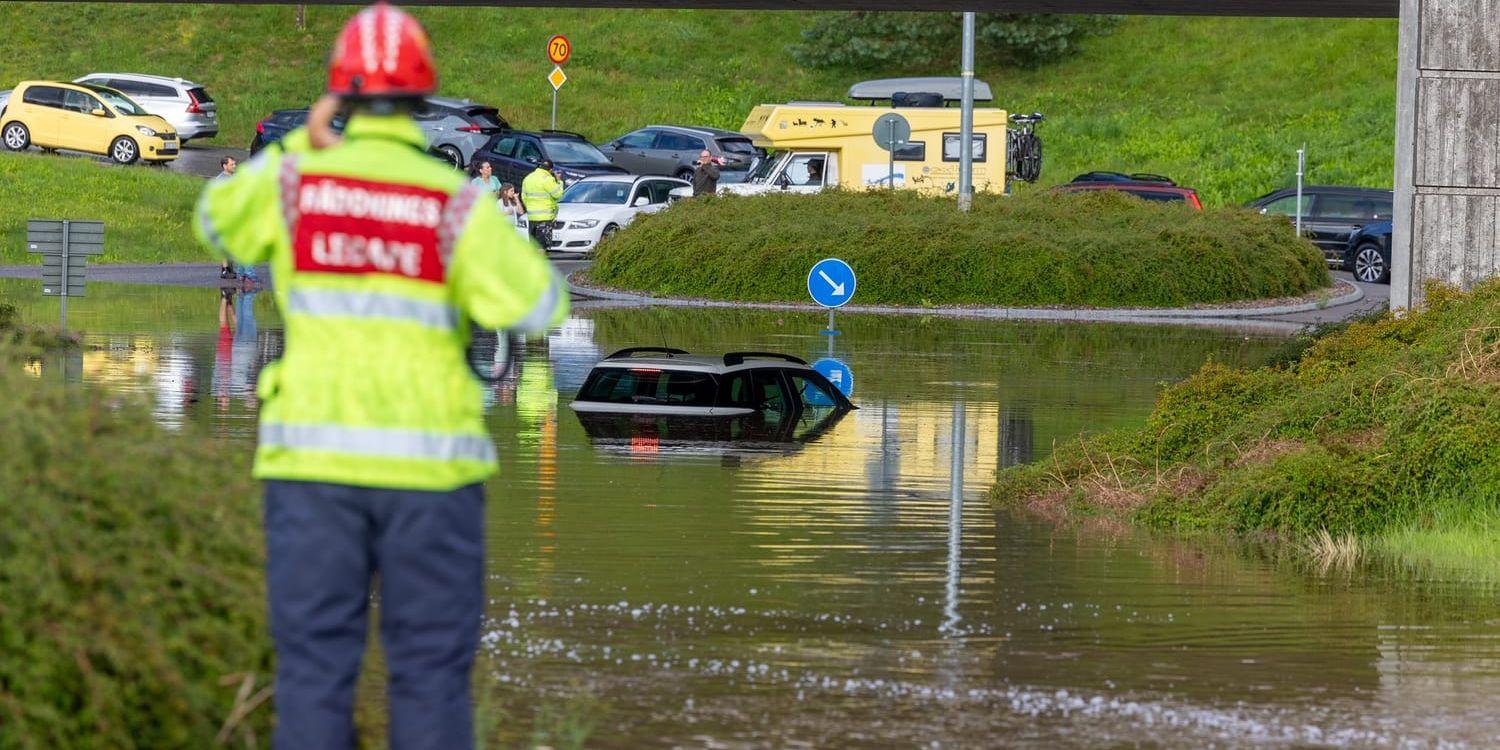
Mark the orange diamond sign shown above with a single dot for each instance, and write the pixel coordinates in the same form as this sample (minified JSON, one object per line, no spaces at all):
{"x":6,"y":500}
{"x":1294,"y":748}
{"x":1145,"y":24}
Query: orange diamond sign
{"x":557,"y":77}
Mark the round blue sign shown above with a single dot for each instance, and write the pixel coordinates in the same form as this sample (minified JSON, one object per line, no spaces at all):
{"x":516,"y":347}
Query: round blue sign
{"x":837,"y":373}
{"x":831,"y":283}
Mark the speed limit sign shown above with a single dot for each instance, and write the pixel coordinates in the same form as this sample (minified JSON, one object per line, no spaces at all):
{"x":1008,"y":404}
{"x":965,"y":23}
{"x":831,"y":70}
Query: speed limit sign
{"x":559,"y":49}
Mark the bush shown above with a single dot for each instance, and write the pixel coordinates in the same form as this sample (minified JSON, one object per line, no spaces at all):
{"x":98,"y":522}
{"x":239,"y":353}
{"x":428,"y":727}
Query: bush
{"x":1102,"y":249}
{"x":130,"y":575}
{"x":872,"y":40}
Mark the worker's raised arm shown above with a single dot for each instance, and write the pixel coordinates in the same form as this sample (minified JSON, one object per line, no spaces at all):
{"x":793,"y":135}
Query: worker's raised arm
{"x":500,"y":280}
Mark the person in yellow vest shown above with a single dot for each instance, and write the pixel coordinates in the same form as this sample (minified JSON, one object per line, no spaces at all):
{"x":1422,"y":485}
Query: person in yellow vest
{"x":372,"y":444}
{"x":540,"y":191}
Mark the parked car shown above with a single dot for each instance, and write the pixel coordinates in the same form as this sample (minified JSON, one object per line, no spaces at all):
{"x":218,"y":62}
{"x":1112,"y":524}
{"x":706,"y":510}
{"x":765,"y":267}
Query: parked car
{"x":1368,"y":253}
{"x":596,"y":207}
{"x":673,"y":382}
{"x":1330,"y":213}
{"x":672,"y":151}
{"x":457,"y":128}
{"x":185,"y":104}
{"x":87,"y":118}
{"x":280,"y":122}
{"x":4,"y":99}
{"x":1151,"y":187}
{"x":516,"y":153}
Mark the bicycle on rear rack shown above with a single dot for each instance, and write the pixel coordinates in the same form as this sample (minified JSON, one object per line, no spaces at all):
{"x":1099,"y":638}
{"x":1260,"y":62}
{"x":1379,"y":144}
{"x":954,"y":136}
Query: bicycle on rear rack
{"x":1023,"y":148}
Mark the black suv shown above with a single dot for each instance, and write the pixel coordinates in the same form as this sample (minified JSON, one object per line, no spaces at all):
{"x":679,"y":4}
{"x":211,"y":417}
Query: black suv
{"x":516,"y":153}
{"x":1331,"y":214}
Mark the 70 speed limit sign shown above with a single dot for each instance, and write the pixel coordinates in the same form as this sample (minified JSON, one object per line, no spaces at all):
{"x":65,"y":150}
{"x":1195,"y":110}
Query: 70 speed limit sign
{"x":559,"y":49}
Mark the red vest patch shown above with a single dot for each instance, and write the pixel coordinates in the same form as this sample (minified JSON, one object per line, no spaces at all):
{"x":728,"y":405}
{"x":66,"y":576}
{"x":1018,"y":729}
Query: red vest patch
{"x":344,"y":225}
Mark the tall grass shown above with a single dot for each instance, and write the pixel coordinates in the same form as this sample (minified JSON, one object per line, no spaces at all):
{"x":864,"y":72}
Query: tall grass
{"x":1219,"y":104}
{"x":1100,"y":249}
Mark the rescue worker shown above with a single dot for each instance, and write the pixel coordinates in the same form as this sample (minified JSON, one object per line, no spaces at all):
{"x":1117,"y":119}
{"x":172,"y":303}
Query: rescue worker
{"x":540,"y":192}
{"x":372,"y":446}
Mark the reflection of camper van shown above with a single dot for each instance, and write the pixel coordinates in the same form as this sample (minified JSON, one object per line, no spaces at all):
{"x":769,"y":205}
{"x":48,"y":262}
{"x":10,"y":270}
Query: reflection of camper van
{"x":824,"y":144}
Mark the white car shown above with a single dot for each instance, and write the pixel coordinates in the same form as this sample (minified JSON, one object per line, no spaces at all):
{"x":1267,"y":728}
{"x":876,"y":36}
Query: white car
{"x":595,"y":207}
{"x":4,"y":99}
{"x":184,"y":104}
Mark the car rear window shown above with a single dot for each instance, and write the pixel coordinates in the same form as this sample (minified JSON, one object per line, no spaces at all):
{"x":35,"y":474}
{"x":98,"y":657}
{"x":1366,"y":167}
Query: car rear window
{"x":200,"y":95}
{"x":1157,"y":195}
{"x":649,"y":386}
{"x":290,"y":119}
{"x":737,"y":146}
{"x":487,"y":117}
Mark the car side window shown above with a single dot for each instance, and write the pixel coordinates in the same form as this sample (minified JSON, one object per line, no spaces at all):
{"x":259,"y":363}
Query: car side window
{"x":45,"y":96}
{"x":527,"y":150}
{"x":679,"y":142}
{"x":1352,"y":207}
{"x":128,"y":88}
{"x":158,"y":91}
{"x":813,"y":394}
{"x":505,"y":146}
{"x":737,"y":391}
{"x":660,"y":191}
{"x":768,"y":391}
{"x":641,"y":139}
{"x":1287,"y":205}
{"x":77,"y":101}
{"x":1384,"y":209}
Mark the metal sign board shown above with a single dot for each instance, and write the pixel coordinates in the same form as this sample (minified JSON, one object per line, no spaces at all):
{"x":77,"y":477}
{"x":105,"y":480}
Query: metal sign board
{"x":891,"y":130}
{"x":831,"y":283}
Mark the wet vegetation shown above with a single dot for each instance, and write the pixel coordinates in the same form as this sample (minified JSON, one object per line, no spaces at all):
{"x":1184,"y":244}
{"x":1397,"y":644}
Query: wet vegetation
{"x":145,"y":210}
{"x":1387,"y":432}
{"x":1099,"y":249}
{"x":1225,"y":113}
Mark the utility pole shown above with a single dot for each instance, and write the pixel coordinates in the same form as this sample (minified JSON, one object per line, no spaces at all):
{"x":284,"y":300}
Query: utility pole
{"x":966,"y":120}
{"x":302,"y":16}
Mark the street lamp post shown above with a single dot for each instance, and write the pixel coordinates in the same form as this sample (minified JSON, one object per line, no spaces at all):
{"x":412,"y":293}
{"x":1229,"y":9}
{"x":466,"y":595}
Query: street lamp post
{"x":966,"y":120}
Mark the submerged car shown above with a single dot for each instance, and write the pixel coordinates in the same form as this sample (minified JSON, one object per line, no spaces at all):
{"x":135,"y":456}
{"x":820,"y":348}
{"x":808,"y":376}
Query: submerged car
{"x":597,"y":207}
{"x":748,"y":437}
{"x":668,"y":381}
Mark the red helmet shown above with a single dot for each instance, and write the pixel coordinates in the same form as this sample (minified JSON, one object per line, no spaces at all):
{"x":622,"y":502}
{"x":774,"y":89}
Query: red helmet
{"x":382,"y":53}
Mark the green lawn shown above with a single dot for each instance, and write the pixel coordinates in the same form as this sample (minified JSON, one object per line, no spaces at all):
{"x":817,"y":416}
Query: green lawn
{"x":1219,"y":104}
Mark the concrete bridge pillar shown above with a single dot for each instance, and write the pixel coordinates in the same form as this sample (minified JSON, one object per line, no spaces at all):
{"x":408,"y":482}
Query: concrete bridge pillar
{"x":1447,"y":212}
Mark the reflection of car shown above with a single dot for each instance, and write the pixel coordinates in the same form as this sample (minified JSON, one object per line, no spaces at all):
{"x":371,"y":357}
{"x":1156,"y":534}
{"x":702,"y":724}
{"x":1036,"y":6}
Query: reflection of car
{"x":185,"y":104}
{"x":671,"y":150}
{"x":1330,"y":214}
{"x":748,"y":436}
{"x":515,"y":154}
{"x":80,"y":117}
{"x":1368,"y":253}
{"x":597,"y":207}
{"x":671,"y":381}
{"x":1149,"y":187}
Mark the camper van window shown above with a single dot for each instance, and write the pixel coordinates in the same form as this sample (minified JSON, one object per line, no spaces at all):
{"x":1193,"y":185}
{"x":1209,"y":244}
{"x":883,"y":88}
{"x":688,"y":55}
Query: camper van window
{"x":805,"y":170}
{"x":912,"y":151}
{"x":950,"y":146}
{"x":766,"y":168}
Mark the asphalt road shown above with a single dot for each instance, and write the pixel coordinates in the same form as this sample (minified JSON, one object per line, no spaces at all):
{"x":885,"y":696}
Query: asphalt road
{"x":202,"y":161}
{"x":1377,"y":297}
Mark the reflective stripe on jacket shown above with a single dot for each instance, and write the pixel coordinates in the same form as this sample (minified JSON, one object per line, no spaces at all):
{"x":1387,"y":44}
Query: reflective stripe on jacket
{"x":540,"y":192}
{"x":382,"y":256}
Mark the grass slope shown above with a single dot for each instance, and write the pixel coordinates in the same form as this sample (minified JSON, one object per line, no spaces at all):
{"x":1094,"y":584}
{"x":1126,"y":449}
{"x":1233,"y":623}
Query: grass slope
{"x":1095,"y":250}
{"x":1220,"y":104}
{"x":1387,"y":433}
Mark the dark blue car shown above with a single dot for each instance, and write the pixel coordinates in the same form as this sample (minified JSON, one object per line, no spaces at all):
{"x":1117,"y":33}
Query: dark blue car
{"x":516,"y":153}
{"x":1368,"y":254}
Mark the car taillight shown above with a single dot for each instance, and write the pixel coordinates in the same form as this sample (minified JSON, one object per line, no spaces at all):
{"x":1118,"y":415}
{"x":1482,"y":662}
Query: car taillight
{"x":1193,"y":198}
{"x":260,"y":127}
{"x":472,"y":129}
{"x":193,"y":108}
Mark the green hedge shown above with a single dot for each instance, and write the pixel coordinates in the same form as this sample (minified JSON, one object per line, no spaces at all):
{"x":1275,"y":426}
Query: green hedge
{"x":130,"y":574}
{"x":1390,"y":424}
{"x":1103,"y":249}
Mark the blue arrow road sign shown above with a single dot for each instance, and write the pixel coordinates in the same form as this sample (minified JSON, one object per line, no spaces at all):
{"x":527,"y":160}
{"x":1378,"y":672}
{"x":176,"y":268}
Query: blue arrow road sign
{"x":837,"y":373}
{"x":831,"y":283}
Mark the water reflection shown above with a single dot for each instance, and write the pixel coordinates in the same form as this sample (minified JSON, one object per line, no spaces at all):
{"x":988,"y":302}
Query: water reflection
{"x":853,"y":589}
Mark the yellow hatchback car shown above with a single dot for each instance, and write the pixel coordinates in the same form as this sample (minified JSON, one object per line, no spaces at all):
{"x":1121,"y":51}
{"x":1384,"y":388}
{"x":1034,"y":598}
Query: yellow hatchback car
{"x":88,"y":118}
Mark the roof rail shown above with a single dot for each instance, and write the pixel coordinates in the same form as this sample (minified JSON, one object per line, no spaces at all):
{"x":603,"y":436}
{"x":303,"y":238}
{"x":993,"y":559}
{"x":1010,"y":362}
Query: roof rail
{"x":738,"y":358}
{"x":634,"y":350}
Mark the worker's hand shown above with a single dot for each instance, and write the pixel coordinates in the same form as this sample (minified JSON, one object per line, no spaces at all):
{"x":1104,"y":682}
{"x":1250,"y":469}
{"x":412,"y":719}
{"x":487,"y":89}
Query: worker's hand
{"x":320,"y":122}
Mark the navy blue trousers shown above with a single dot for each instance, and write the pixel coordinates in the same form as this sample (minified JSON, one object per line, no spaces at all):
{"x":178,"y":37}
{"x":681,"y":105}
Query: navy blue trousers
{"x":324,"y":544}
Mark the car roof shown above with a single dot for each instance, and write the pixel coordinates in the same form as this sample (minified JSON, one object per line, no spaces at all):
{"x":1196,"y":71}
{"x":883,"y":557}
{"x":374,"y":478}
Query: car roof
{"x":1155,"y":187}
{"x":1344,"y":189}
{"x":696,"y":130}
{"x":685,"y":362}
{"x":144,"y":78}
{"x":60,"y":84}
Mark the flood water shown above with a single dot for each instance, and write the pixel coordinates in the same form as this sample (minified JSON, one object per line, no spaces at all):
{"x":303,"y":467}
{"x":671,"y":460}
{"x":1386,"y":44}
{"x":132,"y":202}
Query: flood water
{"x":840,"y":585}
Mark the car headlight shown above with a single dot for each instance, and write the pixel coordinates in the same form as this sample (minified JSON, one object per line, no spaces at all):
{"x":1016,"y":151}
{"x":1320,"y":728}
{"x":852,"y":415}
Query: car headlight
{"x":584,"y":224}
{"x":146,"y":131}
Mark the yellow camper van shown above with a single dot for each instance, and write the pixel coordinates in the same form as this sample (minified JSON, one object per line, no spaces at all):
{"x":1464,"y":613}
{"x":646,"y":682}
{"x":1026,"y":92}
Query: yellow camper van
{"x":818,"y":145}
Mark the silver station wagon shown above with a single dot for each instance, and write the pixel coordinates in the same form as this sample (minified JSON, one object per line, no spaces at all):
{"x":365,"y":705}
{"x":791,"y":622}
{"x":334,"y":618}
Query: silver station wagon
{"x":665,"y":381}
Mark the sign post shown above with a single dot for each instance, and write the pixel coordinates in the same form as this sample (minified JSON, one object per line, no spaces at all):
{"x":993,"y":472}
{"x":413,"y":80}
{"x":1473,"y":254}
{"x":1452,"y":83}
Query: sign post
{"x":966,"y":119}
{"x":65,"y":247}
{"x":891,"y":131}
{"x":831,"y":283}
{"x":559,"y":49}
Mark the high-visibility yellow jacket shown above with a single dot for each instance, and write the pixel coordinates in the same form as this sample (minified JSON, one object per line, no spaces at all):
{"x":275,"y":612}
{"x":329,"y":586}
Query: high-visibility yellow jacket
{"x":540,"y":192}
{"x":382,"y":258}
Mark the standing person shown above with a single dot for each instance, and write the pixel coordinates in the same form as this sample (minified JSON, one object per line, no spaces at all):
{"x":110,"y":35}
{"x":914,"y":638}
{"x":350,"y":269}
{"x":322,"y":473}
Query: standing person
{"x":705,"y":174}
{"x":541,"y":190}
{"x":513,"y":209}
{"x":485,"y":177}
{"x":227,"y":165}
{"x":372,"y":444}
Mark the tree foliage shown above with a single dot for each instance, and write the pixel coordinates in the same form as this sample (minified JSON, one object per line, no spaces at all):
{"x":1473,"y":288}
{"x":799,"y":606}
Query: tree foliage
{"x":873,"y":40}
